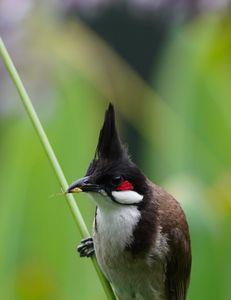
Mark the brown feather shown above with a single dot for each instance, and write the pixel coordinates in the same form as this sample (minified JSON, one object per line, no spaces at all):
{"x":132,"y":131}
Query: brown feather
{"x":161,"y":210}
{"x":173,"y":223}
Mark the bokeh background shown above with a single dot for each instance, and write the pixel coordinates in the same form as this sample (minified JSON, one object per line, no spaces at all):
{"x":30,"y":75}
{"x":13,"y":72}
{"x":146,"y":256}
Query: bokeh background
{"x":166,"y":65}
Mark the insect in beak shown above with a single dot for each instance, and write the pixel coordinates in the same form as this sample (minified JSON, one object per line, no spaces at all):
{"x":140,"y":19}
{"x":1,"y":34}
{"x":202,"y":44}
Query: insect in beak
{"x":74,"y":190}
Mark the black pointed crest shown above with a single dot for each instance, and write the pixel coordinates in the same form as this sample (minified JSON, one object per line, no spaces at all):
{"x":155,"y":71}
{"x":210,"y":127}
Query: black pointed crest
{"x":109,"y":145}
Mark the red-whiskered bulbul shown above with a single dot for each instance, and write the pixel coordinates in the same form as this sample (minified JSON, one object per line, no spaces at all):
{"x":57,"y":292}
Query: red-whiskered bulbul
{"x":140,"y":235}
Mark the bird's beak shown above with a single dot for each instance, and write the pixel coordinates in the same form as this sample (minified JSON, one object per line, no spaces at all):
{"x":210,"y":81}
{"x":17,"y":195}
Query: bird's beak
{"x":83,"y":185}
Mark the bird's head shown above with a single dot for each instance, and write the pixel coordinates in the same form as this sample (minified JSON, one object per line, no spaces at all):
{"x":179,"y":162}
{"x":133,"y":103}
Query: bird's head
{"x":112,"y":178}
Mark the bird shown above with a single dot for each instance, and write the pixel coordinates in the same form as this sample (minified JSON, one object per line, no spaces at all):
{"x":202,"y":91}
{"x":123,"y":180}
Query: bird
{"x":140,"y":233}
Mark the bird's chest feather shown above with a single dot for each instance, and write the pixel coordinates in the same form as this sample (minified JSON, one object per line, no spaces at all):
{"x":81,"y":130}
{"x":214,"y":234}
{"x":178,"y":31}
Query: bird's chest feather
{"x":132,"y":278}
{"x":114,"y":230}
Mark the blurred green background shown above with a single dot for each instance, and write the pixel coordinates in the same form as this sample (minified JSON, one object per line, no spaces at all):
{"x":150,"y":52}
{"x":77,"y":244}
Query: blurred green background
{"x":167,"y":69}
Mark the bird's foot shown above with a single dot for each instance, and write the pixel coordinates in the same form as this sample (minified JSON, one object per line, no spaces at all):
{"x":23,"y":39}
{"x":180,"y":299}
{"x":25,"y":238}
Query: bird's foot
{"x":86,"y":247}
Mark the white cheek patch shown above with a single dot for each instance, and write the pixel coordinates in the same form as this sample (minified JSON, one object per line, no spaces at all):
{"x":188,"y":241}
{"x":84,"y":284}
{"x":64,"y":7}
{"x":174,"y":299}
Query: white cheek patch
{"x":127,"y":197}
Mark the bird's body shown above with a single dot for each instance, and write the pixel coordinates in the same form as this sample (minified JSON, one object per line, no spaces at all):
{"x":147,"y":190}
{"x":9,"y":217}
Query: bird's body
{"x":137,"y":274}
{"x":141,"y":238}
{"x":133,"y":277}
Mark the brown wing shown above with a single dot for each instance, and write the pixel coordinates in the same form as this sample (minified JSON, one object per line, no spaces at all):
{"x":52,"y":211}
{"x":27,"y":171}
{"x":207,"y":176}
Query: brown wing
{"x":178,"y":265}
{"x":173,"y":222}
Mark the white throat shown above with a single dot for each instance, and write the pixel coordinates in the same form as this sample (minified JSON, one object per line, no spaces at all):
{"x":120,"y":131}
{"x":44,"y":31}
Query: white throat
{"x":115,"y":223}
{"x":116,"y":227}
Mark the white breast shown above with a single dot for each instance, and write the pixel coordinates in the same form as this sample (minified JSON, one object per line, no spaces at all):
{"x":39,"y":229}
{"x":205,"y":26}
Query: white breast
{"x":115,"y":226}
{"x":133,"y":279}
{"x":115,"y":223}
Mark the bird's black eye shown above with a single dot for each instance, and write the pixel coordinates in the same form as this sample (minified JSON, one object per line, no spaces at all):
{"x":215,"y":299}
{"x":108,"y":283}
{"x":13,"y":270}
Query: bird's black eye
{"x":116,"y":180}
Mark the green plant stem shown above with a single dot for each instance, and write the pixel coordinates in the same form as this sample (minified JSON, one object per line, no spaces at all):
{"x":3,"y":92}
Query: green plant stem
{"x":52,"y":157}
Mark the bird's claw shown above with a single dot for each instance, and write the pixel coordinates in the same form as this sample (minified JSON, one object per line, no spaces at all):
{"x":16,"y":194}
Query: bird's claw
{"x":86,"y":247}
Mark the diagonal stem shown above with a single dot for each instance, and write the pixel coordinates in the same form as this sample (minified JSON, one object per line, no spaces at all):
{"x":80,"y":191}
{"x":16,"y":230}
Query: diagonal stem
{"x":52,"y":158}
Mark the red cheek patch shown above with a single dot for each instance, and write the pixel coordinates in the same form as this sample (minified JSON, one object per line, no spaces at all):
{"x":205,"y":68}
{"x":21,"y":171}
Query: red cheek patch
{"x":125,"y":186}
